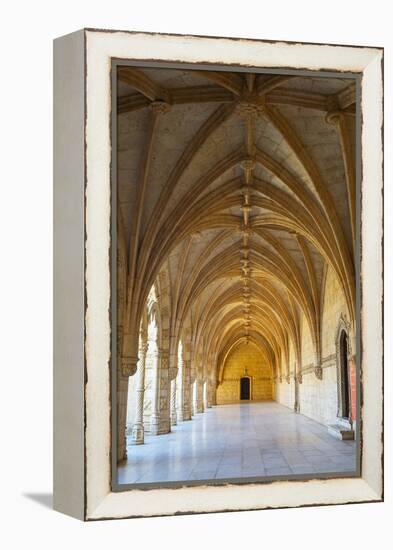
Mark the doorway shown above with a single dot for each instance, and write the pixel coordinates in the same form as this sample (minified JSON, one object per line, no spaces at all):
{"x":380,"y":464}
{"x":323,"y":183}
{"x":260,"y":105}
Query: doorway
{"x":344,"y":376}
{"x":245,"y":386}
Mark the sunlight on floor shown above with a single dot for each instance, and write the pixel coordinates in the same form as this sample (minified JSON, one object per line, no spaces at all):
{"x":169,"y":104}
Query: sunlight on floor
{"x":236,"y":441}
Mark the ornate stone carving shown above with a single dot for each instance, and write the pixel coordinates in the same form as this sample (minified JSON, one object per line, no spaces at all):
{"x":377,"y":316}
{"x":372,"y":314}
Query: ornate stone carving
{"x":318,"y":371}
{"x":333,"y":117}
{"x":164,"y":359}
{"x":250,"y":105}
{"x":138,"y":431}
{"x":160,"y":107}
{"x":128,"y":365}
{"x":248,"y":164}
{"x":173,"y":371}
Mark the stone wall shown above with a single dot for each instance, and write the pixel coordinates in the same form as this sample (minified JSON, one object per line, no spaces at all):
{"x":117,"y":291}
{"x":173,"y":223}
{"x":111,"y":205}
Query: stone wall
{"x":334,"y":307}
{"x":318,"y":397}
{"x":285,"y":390}
{"x":245,"y":360}
{"x":285,"y":393}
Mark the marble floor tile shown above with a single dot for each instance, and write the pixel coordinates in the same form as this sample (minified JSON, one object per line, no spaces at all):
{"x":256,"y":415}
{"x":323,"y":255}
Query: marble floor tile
{"x":235,"y":441}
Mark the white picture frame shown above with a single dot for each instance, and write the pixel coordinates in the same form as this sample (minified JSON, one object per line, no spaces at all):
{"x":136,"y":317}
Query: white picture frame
{"x":82,"y":383}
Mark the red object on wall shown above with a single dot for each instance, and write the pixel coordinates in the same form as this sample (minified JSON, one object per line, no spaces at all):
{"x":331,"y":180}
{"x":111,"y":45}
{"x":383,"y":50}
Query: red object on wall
{"x":352,"y":386}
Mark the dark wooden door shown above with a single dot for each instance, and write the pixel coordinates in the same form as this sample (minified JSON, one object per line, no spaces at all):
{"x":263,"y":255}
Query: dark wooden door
{"x":245,"y":388}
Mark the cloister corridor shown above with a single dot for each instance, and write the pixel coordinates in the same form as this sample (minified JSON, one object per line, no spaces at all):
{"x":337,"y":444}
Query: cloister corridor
{"x":253,"y":439}
{"x":236,"y":331}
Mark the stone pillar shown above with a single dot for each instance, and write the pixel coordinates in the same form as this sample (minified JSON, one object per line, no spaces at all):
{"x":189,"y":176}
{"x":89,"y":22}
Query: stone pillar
{"x":199,"y":408}
{"x":173,"y":402}
{"x":205,"y":392}
{"x":138,"y":431}
{"x":186,"y":392}
{"x":192,"y":403}
{"x":164,"y":424}
{"x":122,"y":395}
{"x":155,"y":410}
{"x":209,"y":393}
{"x":213,"y":393}
{"x":180,"y":389}
{"x":298,"y":380}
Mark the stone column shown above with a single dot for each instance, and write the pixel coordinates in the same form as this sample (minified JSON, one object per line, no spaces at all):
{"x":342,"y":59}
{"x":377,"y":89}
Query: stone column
{"x":209,"y":391}
{"x":186,"y":393}
{"x":180,"y":389}
{"x":213,"y":392}
{"x":164,"y":424}
{"x":155,"y":412}
{"x":298,"y":380}
{"x":138,"y":431}
{"x":173,"y":402}
{"x":192,"y":408}
{"x":205,"y":392}
{"x":122,"y":394}
{"x":199,"y":407}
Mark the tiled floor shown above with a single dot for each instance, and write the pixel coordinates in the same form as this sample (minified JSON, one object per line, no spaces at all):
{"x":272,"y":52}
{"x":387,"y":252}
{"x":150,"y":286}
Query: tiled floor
{"x":236,"y":441}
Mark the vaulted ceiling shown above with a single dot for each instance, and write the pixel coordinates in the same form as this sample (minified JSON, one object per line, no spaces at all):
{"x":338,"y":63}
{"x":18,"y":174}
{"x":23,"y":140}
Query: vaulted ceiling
{"x":240,"y":187}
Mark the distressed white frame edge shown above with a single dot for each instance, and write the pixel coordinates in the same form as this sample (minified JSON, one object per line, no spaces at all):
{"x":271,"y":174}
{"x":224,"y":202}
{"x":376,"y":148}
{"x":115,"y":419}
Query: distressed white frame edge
{"x":69,"y":274}
{"x":101,"y":503}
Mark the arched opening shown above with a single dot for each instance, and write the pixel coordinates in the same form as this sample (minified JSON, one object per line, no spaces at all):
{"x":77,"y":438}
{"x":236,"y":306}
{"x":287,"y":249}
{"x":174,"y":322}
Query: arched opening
{"x":245,"y":388}
{"x":344,"y":401}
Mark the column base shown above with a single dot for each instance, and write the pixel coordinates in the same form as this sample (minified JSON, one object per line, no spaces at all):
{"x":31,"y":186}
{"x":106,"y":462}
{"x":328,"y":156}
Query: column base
{"x":184,"y":415}
{"x":159,"y":426}
{"x":154,"y":424}
{"x":198,"y":407}
{"x":138,"y":435}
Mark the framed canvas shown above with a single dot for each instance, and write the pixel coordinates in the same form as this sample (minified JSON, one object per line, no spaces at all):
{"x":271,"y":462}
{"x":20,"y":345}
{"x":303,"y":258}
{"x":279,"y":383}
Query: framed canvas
{"x":218,"y":274}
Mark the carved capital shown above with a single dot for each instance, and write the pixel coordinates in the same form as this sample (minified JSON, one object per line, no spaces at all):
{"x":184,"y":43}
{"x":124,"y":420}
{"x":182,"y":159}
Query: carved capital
{"x":333,"y":117}
{"x":299,"y":378}
{"x":128,"y":365}
{"x":288,"y":379}
{"x":173,"y":372}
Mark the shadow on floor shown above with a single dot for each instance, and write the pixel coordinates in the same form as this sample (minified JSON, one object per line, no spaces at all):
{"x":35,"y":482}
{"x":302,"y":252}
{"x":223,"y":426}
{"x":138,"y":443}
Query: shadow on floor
{"x":45,"y":499}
